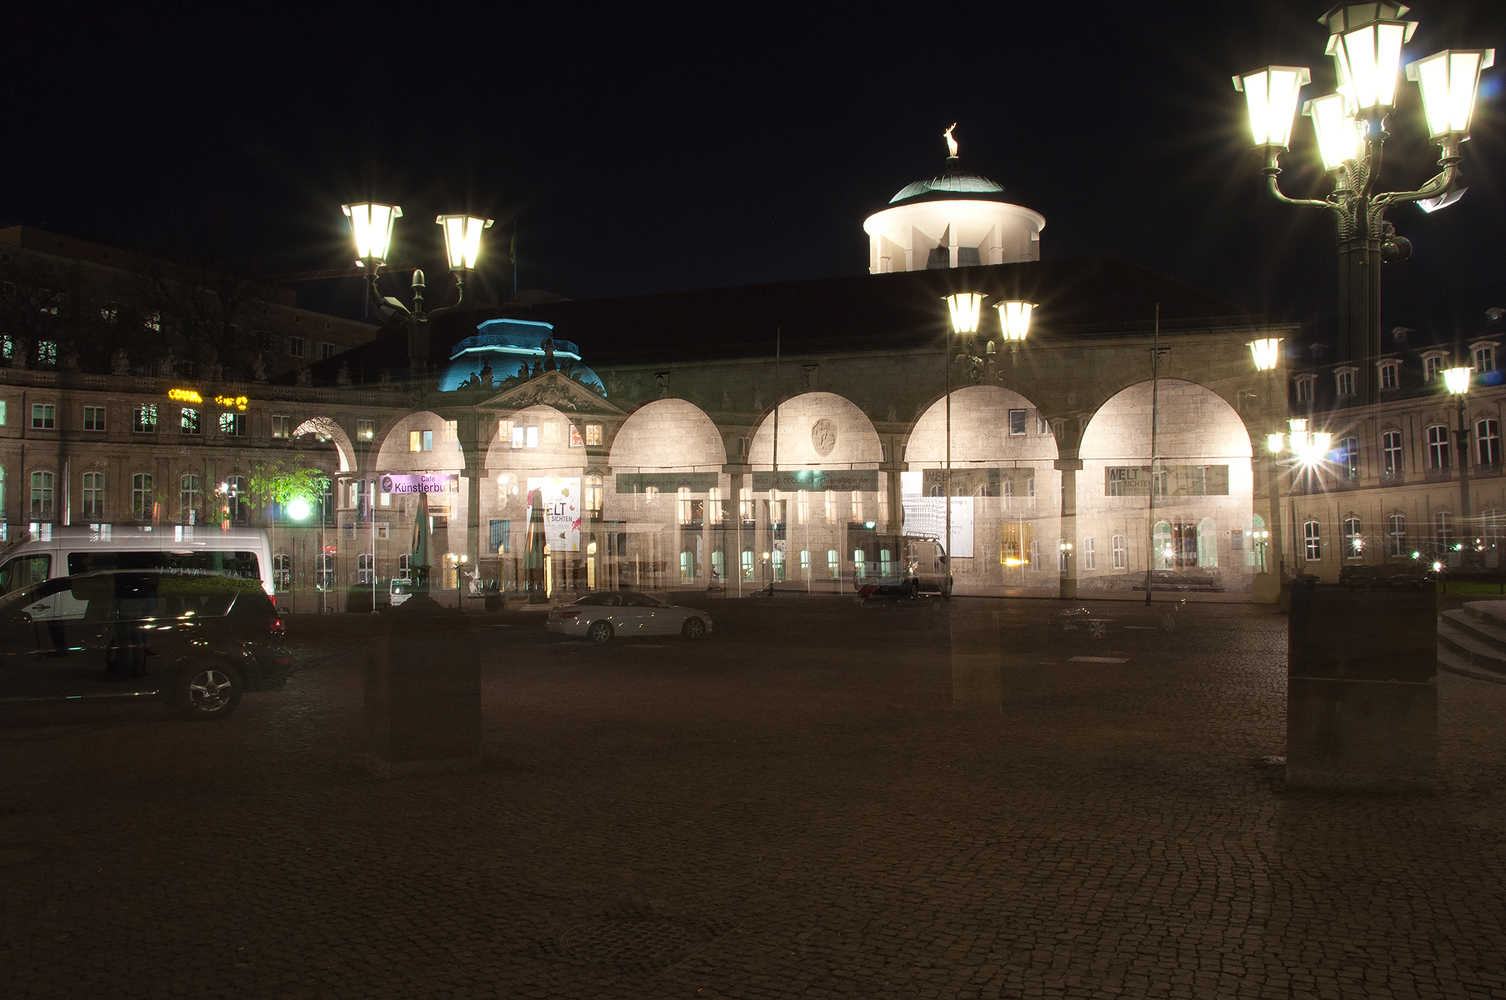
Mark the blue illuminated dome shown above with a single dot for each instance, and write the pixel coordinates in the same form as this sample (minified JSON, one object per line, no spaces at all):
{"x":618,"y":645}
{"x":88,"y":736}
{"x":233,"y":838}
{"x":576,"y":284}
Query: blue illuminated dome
{"x":507,"y":344}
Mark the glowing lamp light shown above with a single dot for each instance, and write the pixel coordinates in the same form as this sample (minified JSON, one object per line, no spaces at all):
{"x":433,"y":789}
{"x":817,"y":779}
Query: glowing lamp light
{"x":1274,"y":442}
{"x":1014,"y":319}
{"x":462,"y":239}
{"x":1457,"y":380}
{"x":1266,"y":353}
{"x":371,"y":228}
{"x":965,"y":308}
{"x":1365,"y":41}
{"x":1339,"y":136}
{"x":1271,"y":96}
{"x":298,"y":508}
{"x":1449,"y":81}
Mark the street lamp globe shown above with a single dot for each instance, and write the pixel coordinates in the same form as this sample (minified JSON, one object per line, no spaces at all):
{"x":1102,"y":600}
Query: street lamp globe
{"x":1266,"y":353}
{"x":1014,"y":319}
{"x":1449,"y":81}
{"x":965,"y":308}
{"x":1340,"y":138}
{"x":371,"y":228}
{"x":462,"y":239}
{"x":1365,"y":41}
{"x":298,"y":508}
{"x":1457,"y":380}
{"x":1271,"y":96}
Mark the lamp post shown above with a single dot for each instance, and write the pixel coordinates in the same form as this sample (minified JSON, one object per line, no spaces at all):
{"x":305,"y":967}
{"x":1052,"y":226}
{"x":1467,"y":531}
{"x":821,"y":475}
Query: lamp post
{"x":1267,"y":356}
{"x":1365,"y":42}
{"x":1308,"y":450}
{"x":371,"y":229}
{"x":1457,"y":382}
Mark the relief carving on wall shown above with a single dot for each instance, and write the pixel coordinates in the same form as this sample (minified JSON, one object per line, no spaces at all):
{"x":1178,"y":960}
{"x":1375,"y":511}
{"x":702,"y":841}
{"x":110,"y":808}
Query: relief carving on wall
{"x":823,"y":436}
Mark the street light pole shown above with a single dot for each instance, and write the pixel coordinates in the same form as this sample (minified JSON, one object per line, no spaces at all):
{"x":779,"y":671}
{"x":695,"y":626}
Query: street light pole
{"x":1267,"y":355}
{"x":1365,"y":42}
{"x":1457,"y":381}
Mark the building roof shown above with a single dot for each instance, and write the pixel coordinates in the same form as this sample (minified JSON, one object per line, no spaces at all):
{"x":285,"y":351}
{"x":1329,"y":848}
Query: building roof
{"x":952,"y":184}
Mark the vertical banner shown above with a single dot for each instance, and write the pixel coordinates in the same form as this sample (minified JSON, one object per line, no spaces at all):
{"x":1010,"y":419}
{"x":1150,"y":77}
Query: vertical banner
{"x":560,"y":499}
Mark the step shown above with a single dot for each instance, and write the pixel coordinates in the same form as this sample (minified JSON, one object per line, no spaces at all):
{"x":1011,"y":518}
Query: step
{"x":1465,"y":647}
{"x":1487,"y":630}
{"x":1456,"y":664}
{"x":1490,"y":612}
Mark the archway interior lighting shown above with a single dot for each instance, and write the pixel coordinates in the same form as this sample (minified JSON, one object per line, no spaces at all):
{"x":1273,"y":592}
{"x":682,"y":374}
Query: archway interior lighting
{"x":462,"y":239}
{"x":1457,"y":380}
{"x":1266,"y":353}
{"x":966,"y":308}
{"x":1271,"y":97}
{"x":1449,"y":81}
{"x":1014,"y":318}
{"x":371,"y":228}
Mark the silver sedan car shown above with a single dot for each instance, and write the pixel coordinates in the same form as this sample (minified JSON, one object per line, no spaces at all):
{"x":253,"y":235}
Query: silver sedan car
{"x":626,"y":613}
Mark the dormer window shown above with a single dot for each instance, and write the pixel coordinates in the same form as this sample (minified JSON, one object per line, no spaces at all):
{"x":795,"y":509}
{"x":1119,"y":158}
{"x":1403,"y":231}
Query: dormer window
{"x":1485,"y":357}
{"x":1305,"y":388}
{"x":1432,"y":365}
{"x":1344,"y":381}
{"x":1389,"y":375}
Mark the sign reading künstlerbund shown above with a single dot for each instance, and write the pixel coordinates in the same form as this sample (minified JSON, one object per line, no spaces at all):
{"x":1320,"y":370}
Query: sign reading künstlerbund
{"x":415,"y":483}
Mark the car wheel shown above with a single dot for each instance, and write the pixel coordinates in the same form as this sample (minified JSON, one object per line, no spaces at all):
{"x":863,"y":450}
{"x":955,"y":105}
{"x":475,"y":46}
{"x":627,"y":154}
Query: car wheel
{"x":693,"y":629}
{"x":599,"y":632}
{"x":208,"y":691}
{"x":913,"y":591}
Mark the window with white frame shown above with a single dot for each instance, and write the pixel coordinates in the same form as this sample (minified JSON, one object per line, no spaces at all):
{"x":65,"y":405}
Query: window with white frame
{"x":1388,"y":375}
{"x":593,"y":435}
{"x":1443,"y":530}
{"x":452,"y":430}
{"x":1312,"y":536}
{"x":802,"y":506}
{"x":1488,"y":442}
{"x":326,"y":351}
{"x":1485,"y":358}
{"x":190,"y":498}
{"x":1089,"y":557}
{"x":403,"y":572}
{"x":144,"y":418}
{"x":745,"y":507}
{"x":364,"y":564}
{"x":233,"y":424}
{"x":1305,"y":389}
{"x":682,"y":504}
{"x":282,"y":572}
{"x":831,"y":507}
{"x":859,"y":564}
{"x":324,"y":577}
{"x":805,"y":564}
{"x":298,"y":347}
{"x":237,"y":499}
{"x":833,"y":564}
{"x":1349,"y":454}
{"x":1432,"y":364}
{"x":420,"y":441}
{"x":1042,"y":425}
{"x":282,"y":426}
{"x":41,"y":496}
{"x":1016,"y":422}
{"x":856,"y":499}
{"x":1396,"y":535}
{"x":94,"y":496}
{"x":1354,"y":543}
{"x":747,"y":560}
{"x":94,"y":418}
{"x":43,"y":416}
{"x":1391,"y":453}
{"x":188,"y":421}
{"x":1118,"y":552}
{"x":142,"y":497}
{"x":1438,"y":447}
{"x":593,"y":496}
{"x":1344,"y":379}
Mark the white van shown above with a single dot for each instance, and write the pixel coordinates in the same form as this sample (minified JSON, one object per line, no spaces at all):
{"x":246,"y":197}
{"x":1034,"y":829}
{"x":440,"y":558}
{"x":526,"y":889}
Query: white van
{"x":64,"y":551}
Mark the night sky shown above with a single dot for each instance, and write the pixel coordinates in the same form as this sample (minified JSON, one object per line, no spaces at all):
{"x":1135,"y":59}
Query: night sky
{"x":644,"y":149}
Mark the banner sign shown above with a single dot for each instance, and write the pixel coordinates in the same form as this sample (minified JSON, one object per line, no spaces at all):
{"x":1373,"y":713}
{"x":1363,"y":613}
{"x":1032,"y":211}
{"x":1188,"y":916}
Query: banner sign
{"x":415,"y":484}
{"x":664,"y":482}
{"x":818,"y":480}
{"x":974,"y":481}
{"x":1176,"y":480}
{"x":559,"y":496}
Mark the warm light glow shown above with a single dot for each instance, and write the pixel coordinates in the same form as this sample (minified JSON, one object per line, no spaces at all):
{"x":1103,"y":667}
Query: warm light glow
{"x":239,"y":402}
{"x":298,"y":508}
{"x":1014,"y":318}
{"x":1457,"y":380}
{"x":1266,"y":353}
{"x":1340,"y":137}
{"x":371,"y":227}
{"x":1449,"y":81}
{"x":965,"y":308}
{"x":1366,"y":49}
{"x":185,"y":395}
{"x":462,"y":239}
{"x":1297,"y":424}
{"x":1271,"y":96}
{"x":1273,"y":443}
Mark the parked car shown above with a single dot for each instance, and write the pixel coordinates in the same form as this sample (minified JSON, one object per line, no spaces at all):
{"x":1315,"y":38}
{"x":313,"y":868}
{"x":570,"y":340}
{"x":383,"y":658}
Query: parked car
{"x":626,"y":613}
{"x":196,"y":640}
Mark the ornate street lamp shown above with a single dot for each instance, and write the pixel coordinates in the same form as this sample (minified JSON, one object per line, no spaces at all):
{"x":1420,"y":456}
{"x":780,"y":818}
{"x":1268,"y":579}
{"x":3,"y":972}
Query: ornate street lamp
{"x":1365,"y":41}
{"x":1267,"y":356}
{"x":1457,"y":382}
{"x":371,"y":230}
{"x":966,"y":309}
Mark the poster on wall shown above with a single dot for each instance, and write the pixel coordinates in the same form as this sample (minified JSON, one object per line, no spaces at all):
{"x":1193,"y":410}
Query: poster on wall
{"x":559,"y":496}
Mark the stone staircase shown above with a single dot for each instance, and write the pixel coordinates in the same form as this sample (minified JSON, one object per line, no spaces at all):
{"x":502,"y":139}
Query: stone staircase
{"x":1472,"y":641}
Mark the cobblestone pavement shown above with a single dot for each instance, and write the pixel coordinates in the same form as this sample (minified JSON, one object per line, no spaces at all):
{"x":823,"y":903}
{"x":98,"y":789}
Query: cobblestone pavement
{"x":817,"y":800}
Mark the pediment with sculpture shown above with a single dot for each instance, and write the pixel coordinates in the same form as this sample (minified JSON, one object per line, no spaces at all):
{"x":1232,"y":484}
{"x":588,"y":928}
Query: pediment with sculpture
{"x":551,"y":389}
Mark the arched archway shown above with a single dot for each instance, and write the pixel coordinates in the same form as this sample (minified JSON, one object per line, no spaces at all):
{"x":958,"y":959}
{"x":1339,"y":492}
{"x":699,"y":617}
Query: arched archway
{"x":327,"y":430}
{"x":1201,"y":487}
{"x":424,"y":442}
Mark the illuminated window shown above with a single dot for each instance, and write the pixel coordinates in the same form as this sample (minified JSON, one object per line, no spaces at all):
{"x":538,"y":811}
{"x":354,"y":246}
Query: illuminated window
{"x":43,"y":416}
{"x":282,"y":427}
{"x":1396,"y":535}
{"x":41,"y":496}
{"x":94,"y":418}
{"x":403,"y":573}
{"x":1312,"y":536}
{"x":144,"y":418}
{"x":1391,"y":453}
{"x":857,"y":505}
{"x":233,"y":424}
{"x":190,"y":498}
{"x":531,"y":438}
{"x":519,"y":435}
{"x":452,"y":430}
{"x":365,"y":430}
{"x":1388,"y":376}
{"x":1354,"y":545}
{"x":189,"y":421}
{"x":1089,"y":557}
{"x":833,"y":564}
{"x":748,"y":564}
{"x":2,"y":413}
{"x":420,"y":441}
{"x":745,"y":504}
{"x":94,"y":495}
{"x":805,"y":564}
{"x":364,"y":564}
{"x":593,"y":435}
{"x":859,"y":564}
{"x":141,"y":496}
{"x":1438,"y":447}
{"x":682,"y":505}
{"x":1118,"y":553}
{"x":282,"y":573}
{"x":593,"y":494}
{"x":803,"y":505}
{"x":831,"y":507}
{"x":47,"y":352}
{"x":1488,"y":442}
{"x":237,"y":500}
{"x":886,"y":562}
{"x":575,"y":439}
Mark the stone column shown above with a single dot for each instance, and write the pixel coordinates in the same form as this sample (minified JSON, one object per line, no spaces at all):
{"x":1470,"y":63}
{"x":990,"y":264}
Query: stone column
{"x":1069,"y":467}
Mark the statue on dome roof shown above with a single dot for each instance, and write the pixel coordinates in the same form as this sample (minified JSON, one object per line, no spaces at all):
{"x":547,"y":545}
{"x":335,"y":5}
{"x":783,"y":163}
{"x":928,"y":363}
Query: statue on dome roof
{"x":951,"y":144}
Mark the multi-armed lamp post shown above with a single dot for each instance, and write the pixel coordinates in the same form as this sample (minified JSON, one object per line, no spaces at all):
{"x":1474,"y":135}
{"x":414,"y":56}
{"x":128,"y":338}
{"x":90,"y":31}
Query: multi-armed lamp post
{"x":966,"y":310}
{"x":1365,"y":42}
{"x":371,"y":228}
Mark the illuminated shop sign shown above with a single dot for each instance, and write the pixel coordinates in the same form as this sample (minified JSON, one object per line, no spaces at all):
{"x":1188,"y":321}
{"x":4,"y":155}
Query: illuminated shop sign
{"x":184,"y":396}
{"x":420,"y":483}
{"x":239,"y":402}
{"x":194,"y":396}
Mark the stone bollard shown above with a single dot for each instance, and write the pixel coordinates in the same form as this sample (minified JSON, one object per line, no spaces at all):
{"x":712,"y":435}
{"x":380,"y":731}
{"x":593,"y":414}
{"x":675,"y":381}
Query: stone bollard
{"x":423,"y":691}
{"x":1362,"y":694}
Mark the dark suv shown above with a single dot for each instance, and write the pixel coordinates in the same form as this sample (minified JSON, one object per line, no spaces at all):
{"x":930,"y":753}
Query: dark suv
{"x":197,"y":640}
